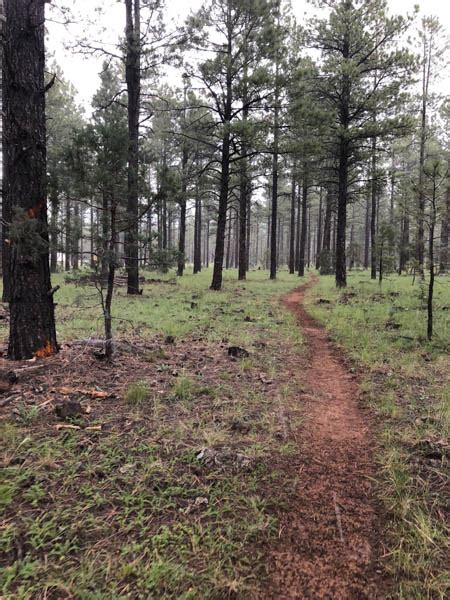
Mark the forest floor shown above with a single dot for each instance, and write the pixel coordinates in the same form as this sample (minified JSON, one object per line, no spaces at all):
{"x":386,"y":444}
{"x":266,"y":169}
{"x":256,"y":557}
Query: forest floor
{"x":331,"y":540}
{"x":404,"y":384}
{"x":287,"y":471}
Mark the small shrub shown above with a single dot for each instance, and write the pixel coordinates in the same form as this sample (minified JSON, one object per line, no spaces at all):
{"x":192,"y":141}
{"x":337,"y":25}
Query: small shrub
{"x":27,"y":414}
{"x":154,"y":356}
{"x":137,"y":393}
{"x":183,"y":389}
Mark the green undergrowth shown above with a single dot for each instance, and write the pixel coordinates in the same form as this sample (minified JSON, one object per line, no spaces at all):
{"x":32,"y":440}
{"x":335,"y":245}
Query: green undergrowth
{"x":383,"y":329}
{"x":175,"y":488}
{"x":177,"y":307}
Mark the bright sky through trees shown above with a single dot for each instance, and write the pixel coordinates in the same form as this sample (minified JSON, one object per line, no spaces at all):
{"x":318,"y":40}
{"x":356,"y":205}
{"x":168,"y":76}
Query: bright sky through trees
{"x":83,"y":71}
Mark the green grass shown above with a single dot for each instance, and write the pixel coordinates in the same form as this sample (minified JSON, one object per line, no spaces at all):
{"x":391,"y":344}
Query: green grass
{"x":185,"y":308}
{"x":131,"y":511}
{"x":137,"y":393}
{"x":406,"y":384}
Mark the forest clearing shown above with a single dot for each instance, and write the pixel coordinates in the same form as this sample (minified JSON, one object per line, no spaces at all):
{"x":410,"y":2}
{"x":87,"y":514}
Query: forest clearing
{"x":225,"y":300}
{"x":189,"y":473}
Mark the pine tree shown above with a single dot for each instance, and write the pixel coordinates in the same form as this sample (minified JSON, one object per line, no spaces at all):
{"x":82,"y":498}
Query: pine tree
{"x":32,"y":319}
{"x":359,"y":40}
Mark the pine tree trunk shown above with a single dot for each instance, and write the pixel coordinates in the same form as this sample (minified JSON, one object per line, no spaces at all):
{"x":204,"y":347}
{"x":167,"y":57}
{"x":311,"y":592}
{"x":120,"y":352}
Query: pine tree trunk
{"x":341,"y":266}
{"x":183,"y":202}
{"x":274,"y":219}
{"x":297,"y":229}
{"x":106,"y":206}
{"x":248,"y":236}
{"x":443,"y":254}
{"x":367,"y":234}
{"x":111,"y":261}
{"x":343,"y":160}
{"x":404,"y":244}
{"x":308,"y":260}
{"x":431,"y":262}
{"x":244,"y":187}
{"x":93,"y":257}
{"x":198,"y":233}
{"x":76,"y":237}
{"x":319,"y":231}
{"x":373,"y":213}
{"x":6,"y":203}
{"x":208,"y":224}
{"x":325,"y":254}
{"x":54,"y":201}
{"x":303,"y":232}
{"x":227,"y":259}
{"x":32,"y":319}
{"x":243,"y":205}
{"x":420,"y":240}
{"x":292,"y":229}
{"x":68,"y":235}
{"x":216,"y":283}
{"x":133,"y":80}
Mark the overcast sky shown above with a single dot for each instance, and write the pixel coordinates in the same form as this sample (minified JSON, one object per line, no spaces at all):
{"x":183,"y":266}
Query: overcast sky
{"x":83,"y":72}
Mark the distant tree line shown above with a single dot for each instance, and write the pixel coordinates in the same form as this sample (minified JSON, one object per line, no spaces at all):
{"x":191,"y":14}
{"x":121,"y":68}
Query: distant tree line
{"x":286,"y":144}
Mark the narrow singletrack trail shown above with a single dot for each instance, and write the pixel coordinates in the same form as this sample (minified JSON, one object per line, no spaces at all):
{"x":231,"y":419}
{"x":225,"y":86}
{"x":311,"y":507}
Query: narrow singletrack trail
{"x":329,"y":544}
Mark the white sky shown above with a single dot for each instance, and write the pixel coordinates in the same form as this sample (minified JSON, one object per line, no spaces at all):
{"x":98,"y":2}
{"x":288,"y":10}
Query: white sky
{"x":83,"y":72}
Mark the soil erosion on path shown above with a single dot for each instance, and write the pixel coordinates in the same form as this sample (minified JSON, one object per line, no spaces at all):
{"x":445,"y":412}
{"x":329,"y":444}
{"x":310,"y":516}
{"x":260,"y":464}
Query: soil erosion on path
{"x":329,"y":544}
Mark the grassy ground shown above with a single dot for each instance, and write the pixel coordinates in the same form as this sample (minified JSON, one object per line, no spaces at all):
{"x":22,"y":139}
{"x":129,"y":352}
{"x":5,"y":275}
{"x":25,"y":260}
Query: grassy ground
{"x":171,"y":485}
{"x":165,"y":308}
{"x":406,"y":382}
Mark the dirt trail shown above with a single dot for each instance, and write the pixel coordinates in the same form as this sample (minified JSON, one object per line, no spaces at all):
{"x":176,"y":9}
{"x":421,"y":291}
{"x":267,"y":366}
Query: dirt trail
{"x":329,"y":544}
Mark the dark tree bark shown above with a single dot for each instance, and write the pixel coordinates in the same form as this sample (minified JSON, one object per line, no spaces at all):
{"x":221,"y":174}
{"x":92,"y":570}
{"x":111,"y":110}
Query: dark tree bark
{"x":111,"y":261}
{"x":216,"y":283}
{"x":248,"y":237}
{"x":404,"y":244}
{"x":54,"y":201}
{"x":297,"y":229}
{"x":292,"y":228}
{"x":227,"y":259}
{"x":243,"y":217}
{"x":236,"y":243}
{"x":76,"y":234}
{"x":443,"y":254}
{"x":343,"y":159}
{"x":133,"y":80}
{"x":274,"y":220}
{"x":319,"y":230}
{"x":67,"y":237}
{"x":367,"y":234}
{"x":420,"y":239}
{"x":208,"y":225}
{"x":244,"y":188}
{"x":304,"y":227}
{"x":198,"y":233}
{"x":6,"y":204}
{"x":373,"y":213}
{"x":325,"y":254}
{"x":32,"y":318}
{"x":103,"y":250}
{"x":341,"y":266}
{"x":183,"y":200}
{"x":165,"y":232}
{"x":308,"y":238}
{"x":433,"y":210}
{"x":92,"y":242}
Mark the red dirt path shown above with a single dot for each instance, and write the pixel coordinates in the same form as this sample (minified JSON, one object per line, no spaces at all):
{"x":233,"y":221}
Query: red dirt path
{"x":329,"y":542}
